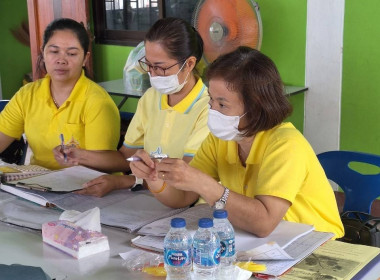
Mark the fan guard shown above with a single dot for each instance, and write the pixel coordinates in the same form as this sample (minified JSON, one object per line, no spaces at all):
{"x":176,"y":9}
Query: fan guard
{"x":224,"y":25}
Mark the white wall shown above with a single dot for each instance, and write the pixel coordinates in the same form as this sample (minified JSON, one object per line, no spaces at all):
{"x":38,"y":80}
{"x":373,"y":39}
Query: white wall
{"x":1,"y":91}
{"x":324,"y":47}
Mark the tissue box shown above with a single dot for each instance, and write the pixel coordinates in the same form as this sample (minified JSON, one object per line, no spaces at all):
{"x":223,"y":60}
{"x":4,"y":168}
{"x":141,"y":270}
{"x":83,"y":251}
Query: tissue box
{"x":73,"y":239}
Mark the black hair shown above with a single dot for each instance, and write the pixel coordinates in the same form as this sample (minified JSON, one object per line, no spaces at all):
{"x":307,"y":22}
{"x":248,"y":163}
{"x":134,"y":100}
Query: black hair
{"x":179,"y":38}
{"x":63,"y":24}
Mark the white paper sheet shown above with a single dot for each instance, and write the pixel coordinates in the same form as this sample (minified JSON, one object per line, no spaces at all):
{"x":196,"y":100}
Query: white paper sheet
{"x":64,"y":180}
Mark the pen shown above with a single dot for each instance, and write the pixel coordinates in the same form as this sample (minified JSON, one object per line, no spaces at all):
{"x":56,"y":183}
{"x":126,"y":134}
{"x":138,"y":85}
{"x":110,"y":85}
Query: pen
{"x":160,"y":156}
{"x":63,"y":146}
{"x":32,"y":187}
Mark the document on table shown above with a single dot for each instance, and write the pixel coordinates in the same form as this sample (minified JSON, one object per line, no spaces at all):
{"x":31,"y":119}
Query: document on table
{"x":120,"y":208}
{"x":288,"y":241}
{"x":191,"y":215}
{"x":64,"y":180}
{"x":337,"y":260}
{"x":68,"y":200}
{"x":133,"y":213}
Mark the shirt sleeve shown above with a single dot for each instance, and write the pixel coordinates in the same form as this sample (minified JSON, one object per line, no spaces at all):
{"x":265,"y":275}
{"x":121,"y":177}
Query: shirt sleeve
{"x":134,"y":138}
{"x":206,"y":157}
{"x":198,"y":134}
{"x":283,"y":168}
{"x":12,"y":117}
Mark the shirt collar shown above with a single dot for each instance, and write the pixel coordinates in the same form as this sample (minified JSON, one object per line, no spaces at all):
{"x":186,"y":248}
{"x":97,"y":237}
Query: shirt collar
{"x":256,"y":152}
{"x":78,"y":92}
{"x":188,"y":102}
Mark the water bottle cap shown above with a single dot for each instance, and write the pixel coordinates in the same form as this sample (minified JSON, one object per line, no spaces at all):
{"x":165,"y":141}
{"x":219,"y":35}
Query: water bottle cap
{"x":205,"y":223}
{"x":220,"y":214}
{"x":178,"y":223}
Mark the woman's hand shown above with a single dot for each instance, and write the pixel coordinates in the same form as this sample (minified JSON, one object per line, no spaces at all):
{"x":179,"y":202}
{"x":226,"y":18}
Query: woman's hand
{"x":69,"y":156}
{"x":180,"y":175}
{"x":144,"y":168}
{"x":104,"y":184}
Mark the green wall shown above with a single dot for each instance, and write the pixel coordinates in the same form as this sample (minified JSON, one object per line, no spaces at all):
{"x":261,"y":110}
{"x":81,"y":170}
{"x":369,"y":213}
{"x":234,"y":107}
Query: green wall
{"x":109,"y":63}
{"x":15,"y":59}
{"x":284,"y":40}
{"x":360,"y":112}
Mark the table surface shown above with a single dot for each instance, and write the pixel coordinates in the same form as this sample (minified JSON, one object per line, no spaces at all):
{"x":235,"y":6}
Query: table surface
{"x":24,"y":246}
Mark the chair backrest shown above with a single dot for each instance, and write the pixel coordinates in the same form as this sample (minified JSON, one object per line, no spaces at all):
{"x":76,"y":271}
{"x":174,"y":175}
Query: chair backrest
{"x":360,"y":189}
{"x":16,"y":152}
{"x":3,"y":103}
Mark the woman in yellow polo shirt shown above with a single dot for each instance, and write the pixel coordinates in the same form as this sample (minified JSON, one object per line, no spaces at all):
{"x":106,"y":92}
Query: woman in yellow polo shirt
{"x":171,"y":116}
{"x":65,"y":102}
{"x":253,"y":164}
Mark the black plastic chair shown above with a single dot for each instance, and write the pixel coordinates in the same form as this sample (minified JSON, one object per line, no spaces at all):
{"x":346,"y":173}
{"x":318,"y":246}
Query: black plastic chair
{"x":3,"y":103}
{"x":16,"y":152}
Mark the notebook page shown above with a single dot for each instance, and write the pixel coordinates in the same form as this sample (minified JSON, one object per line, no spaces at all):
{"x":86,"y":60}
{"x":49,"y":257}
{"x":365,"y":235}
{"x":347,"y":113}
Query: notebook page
{"x":136,"y":212}
{"x":64,"y":180}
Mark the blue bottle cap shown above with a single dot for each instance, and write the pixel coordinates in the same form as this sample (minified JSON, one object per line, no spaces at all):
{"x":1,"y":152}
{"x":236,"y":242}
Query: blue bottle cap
{"x":178,"y":222}
{"x":205,"y":223}
{"x":220,"y":214}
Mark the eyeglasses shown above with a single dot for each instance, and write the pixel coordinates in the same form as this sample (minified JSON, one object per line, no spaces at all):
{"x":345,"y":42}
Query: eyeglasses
{"x":160,"y":71}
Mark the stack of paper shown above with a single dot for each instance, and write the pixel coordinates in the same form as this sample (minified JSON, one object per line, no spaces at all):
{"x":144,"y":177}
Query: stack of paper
{"x":288,"y":244}
{"x":73,"y":239}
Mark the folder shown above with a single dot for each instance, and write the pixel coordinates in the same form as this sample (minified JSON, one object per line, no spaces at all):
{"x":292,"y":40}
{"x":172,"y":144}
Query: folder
{"x":63,"y":180}
{"x":60,"y":181}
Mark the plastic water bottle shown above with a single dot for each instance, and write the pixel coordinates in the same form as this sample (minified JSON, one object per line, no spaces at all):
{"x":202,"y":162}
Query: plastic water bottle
{"x":206,"y":251}
{"x":227,"y":244}
{"x":178,"y":251}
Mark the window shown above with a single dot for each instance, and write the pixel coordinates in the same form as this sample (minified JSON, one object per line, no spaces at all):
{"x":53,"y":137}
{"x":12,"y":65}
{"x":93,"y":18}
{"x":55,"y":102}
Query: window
{"x":125,"y":22}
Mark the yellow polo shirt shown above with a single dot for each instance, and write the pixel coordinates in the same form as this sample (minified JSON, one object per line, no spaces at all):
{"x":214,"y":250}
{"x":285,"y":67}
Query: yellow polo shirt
{"x":88,"y":119}
{"x":281,"y":163}
{"x":177,"y":131}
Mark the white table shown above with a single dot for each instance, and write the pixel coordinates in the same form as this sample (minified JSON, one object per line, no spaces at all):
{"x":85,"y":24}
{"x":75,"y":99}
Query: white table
{"x":22,"y":246}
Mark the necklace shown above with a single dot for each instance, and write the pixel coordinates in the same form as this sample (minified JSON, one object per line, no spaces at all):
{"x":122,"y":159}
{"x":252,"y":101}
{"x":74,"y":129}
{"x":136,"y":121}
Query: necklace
{"x":55,"y":101}
{"x":242,"y":155}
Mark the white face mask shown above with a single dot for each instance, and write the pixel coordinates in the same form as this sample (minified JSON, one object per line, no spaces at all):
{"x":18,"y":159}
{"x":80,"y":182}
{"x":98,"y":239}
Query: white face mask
{"x":224,"y":127}
{"x":168,"y":84}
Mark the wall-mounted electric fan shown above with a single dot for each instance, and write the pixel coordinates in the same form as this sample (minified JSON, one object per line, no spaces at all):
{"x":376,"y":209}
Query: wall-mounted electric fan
{"x":225,"y":25}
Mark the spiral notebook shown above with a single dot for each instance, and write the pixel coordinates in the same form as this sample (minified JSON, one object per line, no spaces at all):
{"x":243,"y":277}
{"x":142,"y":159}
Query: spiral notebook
{"x":14,"y":172}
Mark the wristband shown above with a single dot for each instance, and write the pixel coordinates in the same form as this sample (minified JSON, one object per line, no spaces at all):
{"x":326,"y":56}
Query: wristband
{"x":138,"y":181}
{"x":160,"y":190}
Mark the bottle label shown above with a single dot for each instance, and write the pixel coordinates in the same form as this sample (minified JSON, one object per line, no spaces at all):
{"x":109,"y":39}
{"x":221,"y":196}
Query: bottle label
{"x":177,"y":258}
{"x":205,"y":258}
{"x":227,"y":248}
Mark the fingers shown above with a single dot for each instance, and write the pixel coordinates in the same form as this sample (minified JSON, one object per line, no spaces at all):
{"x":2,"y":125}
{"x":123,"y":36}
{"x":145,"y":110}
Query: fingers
{"x":162,"y":175}
{"x":96,"y":187}
{"x":143,"y":172}
{"x":96,"y":181}
{"x":144,"y":158}
{"x":58,"y":155}
{"x":94,"y":191}
{"x":170,"y":164}
{"x":143,"y":166}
